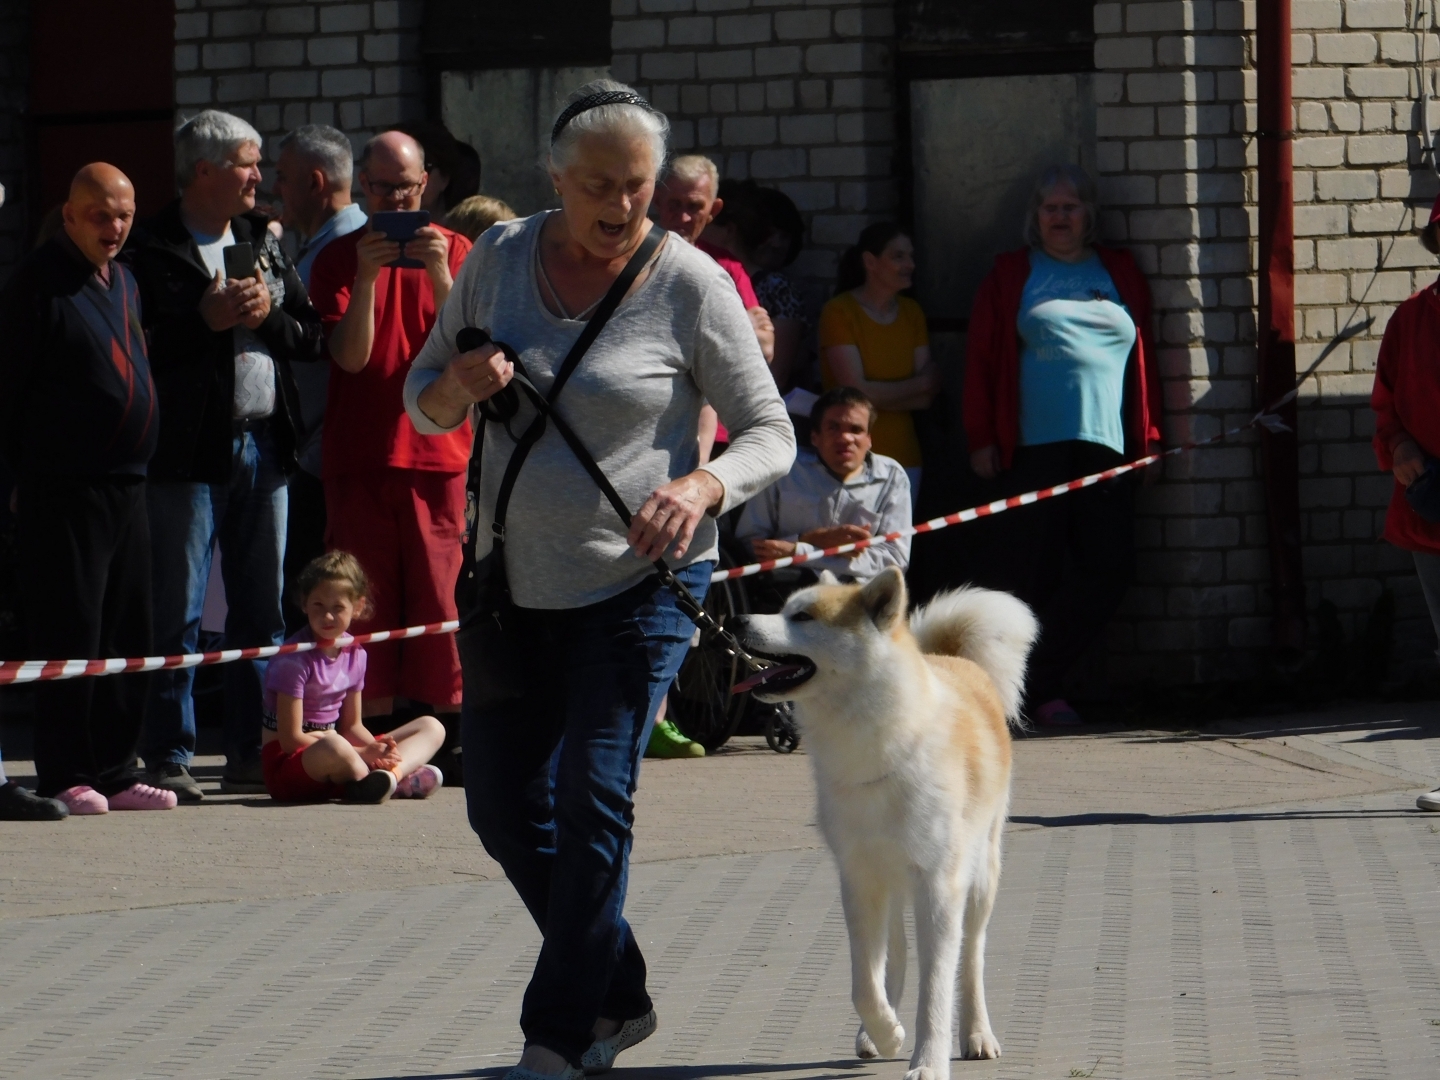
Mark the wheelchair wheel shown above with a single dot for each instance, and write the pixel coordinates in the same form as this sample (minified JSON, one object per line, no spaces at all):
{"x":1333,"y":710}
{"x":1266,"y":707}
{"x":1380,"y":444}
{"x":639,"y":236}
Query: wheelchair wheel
{"x":701,"y":704}
{"x":781,"y":732}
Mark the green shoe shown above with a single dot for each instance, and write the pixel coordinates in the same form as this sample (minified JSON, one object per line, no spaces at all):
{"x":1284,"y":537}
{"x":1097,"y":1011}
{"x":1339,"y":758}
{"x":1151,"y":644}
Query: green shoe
{"x":667,"y":742}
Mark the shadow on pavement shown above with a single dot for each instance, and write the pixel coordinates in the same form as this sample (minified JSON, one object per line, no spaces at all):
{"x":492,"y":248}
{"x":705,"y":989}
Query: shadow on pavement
{"x":1215,"y":818}
{"x":848,"y":1070}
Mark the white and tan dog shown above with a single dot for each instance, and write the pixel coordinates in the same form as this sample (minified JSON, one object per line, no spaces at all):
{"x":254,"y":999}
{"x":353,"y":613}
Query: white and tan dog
{"x":907,"y":728}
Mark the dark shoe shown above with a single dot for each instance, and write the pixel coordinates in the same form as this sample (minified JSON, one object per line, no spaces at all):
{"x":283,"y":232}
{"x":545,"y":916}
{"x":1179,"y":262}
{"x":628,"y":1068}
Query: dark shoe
{"x":22,"y":804}
{"x":246,"y":780}
{"x":375,"y":788}
{"x":172,"y":776}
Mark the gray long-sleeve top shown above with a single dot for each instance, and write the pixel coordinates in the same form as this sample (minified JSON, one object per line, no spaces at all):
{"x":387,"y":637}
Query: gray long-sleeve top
{"x":810,"y":497}
{"x":680,"y":339}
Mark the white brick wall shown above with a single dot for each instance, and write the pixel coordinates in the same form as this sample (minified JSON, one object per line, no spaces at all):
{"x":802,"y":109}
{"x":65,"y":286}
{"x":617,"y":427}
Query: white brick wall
{"x":798,"y":95}
{"x":353,"y":65}
{"x":1176,"y":114}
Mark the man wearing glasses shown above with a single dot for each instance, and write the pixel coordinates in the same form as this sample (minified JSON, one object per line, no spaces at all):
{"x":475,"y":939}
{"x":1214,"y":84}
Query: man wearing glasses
{"x":395,"y":499}
{"x":226,"y":315}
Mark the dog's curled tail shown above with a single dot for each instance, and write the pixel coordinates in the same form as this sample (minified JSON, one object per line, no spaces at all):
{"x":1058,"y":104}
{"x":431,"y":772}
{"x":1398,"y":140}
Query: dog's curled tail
{"x":993,"y":629}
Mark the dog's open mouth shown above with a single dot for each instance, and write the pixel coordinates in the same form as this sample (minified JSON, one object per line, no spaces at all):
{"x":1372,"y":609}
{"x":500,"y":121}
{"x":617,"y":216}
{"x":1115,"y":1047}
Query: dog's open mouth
{"x":785,"y":673}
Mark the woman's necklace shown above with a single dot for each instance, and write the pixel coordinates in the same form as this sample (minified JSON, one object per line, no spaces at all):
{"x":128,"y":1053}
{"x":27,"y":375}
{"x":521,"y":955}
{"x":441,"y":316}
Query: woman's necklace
{"x":885,"y":317}
{"x":555,"y":295}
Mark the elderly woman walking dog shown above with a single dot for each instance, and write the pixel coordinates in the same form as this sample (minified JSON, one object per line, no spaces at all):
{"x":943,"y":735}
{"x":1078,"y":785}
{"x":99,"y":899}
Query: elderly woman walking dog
{"x":615,"y":338}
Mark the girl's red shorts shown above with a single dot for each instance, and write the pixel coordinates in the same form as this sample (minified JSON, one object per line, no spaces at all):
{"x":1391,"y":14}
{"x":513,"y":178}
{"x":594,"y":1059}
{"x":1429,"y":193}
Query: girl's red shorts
{"x":287,"y":781}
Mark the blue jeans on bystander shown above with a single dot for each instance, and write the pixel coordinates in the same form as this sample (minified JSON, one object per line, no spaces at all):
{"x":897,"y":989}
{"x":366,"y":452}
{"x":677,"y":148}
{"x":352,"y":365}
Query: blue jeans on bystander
{"x":248,"y":515}
{"x":595,"y":679}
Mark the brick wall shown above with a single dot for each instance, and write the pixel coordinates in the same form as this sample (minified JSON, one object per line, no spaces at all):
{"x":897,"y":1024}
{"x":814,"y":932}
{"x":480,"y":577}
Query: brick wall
{"x":1175,"y":117}
{"x":353,"y":65}
{"x":797,"y":95}
{"x":14,"y":77}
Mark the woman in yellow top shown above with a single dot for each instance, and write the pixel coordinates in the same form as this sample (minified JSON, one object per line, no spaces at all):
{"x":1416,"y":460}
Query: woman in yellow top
{"x":875,"y":340}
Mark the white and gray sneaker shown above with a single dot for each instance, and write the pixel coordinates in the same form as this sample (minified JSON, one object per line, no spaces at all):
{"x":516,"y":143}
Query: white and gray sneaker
{"x":603,"y":1052}
{"x":1429,"y":801}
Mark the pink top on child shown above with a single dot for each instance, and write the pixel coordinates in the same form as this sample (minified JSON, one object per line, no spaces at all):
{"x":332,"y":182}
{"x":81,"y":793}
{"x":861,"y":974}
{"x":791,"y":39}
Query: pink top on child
{"x":319,"y":681}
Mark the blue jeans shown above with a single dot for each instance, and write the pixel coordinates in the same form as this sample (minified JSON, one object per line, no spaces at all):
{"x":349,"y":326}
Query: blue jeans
{"x":249,"y":516}
{"x":597,"y":675}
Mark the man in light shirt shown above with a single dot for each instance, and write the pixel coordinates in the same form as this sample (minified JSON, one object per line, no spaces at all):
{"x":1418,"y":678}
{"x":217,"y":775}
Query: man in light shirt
{"x":838,"y":495}
{"x":312,"y":179}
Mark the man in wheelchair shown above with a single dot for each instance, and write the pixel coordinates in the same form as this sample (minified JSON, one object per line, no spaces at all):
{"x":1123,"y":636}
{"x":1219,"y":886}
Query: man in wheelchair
{"x":839,"y":494}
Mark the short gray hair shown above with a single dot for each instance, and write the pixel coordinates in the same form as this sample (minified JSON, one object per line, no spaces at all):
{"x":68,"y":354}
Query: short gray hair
{"x":619,"y":119}
{"x":326,"y":147}
{"x":691,"y":168}
{"x":1071,"y":176}
{"x":210,"y":136}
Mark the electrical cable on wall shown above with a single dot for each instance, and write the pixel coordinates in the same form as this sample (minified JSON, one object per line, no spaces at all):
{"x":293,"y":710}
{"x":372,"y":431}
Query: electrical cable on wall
{"x":1424,"y":16}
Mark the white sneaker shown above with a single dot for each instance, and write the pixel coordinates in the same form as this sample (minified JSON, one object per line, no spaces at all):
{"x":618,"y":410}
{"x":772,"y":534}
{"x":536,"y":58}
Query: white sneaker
{"x":1429,"y":801}
{"x":602,"y":1053}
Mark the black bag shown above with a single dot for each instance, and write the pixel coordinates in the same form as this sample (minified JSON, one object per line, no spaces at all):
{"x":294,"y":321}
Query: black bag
{"x":493,"y":657}
{"x":1424,"y":494}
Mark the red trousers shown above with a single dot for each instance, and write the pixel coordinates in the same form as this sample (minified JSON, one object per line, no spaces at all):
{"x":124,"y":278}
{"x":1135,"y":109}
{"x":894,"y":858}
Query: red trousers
{"x":404,"y":526}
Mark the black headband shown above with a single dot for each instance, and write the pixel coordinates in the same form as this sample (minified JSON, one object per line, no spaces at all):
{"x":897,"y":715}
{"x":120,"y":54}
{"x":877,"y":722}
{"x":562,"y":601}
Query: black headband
{"x":594,"y":101}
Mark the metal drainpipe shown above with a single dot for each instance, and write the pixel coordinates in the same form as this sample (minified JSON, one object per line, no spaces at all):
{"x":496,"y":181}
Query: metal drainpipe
{"x":1275,"y":330}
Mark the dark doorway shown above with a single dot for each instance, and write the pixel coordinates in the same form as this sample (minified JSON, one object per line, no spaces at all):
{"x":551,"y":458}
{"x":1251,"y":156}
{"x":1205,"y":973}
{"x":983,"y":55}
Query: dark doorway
{"x":102,"y":88}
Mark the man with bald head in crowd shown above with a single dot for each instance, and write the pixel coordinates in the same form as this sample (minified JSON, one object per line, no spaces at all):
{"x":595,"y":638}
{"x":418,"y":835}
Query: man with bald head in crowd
{"x":395,"y":499}
{"x":78,"y":427}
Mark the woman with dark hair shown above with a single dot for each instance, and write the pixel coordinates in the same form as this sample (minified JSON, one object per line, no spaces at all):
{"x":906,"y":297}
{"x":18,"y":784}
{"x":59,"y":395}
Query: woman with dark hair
{"x":744,"y":228}
{"x":875,"y":340}
{"x":1060,"y":382}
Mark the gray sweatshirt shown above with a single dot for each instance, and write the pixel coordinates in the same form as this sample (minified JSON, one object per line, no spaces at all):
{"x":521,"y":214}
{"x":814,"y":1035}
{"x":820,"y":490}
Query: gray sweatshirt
{"x":682,"y":338}
{"x":811,"y":498}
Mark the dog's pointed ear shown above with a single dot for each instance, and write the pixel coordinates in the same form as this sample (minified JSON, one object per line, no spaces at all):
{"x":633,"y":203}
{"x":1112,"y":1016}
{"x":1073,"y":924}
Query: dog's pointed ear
{"x":827,"y":578}
{"x":884,"y":598}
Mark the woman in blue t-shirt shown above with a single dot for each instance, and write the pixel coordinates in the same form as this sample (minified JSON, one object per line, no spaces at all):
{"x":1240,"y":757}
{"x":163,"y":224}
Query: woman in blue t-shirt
{"x":1061,"y":382}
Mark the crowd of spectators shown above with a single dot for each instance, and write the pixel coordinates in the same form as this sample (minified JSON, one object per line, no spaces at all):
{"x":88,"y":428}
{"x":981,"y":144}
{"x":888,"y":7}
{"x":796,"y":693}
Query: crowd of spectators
{"x":255,"y":412}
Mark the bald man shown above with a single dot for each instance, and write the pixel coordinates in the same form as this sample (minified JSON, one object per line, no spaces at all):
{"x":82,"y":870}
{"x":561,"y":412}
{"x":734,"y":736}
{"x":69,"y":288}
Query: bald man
{"x":394,"y":499}
{"x":77,"y":431}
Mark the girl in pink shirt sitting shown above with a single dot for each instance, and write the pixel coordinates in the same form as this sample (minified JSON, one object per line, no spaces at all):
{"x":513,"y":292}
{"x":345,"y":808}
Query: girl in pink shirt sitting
{"x":314,"y":746}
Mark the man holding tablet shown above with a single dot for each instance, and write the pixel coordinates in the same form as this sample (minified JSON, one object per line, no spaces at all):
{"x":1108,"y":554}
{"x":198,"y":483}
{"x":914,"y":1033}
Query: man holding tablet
{"x":395,"y":499}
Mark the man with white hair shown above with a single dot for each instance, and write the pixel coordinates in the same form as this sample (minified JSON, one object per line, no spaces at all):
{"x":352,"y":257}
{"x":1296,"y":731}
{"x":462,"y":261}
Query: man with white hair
{"x":221,"y":350}
{"x":312,"y":180}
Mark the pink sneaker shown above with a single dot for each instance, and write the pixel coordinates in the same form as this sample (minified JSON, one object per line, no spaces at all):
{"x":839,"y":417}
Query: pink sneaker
{"x":1057,"y":713}
{"x":84,"y":799}
{"x":143,"y":797}
{"x":420,"y":784}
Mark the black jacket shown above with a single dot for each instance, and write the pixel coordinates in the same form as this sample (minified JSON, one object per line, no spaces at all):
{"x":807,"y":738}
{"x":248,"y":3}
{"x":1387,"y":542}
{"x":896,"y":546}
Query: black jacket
{"x":194,"y":366}
{"x":75,"y":391}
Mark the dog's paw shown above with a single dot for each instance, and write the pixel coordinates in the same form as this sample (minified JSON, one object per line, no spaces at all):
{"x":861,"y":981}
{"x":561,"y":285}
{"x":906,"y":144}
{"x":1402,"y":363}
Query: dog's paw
{"x":885,"y":1044}
{"x":982,"y":1044}
{"x":864,"y":1048}
{"x":925,"y":1072}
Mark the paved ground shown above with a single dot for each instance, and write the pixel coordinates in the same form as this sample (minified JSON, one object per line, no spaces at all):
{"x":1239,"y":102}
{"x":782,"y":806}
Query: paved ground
{"x":1256,"y":900}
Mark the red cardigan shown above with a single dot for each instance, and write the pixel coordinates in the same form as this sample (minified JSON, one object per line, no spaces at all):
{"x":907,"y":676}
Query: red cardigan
{"x":1406,"y":400}
{"x":992,"y":357}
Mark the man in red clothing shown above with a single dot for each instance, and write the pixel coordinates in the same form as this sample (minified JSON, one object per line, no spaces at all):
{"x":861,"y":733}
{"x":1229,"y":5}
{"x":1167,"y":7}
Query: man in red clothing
{"x":685,"y":203}
{"x":395,"y":499}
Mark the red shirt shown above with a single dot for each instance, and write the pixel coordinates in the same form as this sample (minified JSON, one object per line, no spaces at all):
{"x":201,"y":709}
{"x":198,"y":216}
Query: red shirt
{"x":365,"y":423}
{"x":1406,"y":400}
{"x":991,"y":405}
{"x":733,"y":267}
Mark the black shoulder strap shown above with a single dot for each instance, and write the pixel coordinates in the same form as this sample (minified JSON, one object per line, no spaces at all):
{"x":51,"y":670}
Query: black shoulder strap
{"x":587,"y":337}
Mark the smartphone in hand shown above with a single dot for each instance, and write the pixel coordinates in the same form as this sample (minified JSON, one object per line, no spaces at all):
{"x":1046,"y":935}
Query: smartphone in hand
{"x":239,"y":261}
{"x":401,"y":226}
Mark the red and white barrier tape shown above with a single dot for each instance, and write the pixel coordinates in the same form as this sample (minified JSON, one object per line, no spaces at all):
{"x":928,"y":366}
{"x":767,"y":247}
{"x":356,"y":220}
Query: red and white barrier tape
{"x":1264,"y":419}
{"x":23,"y":671}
